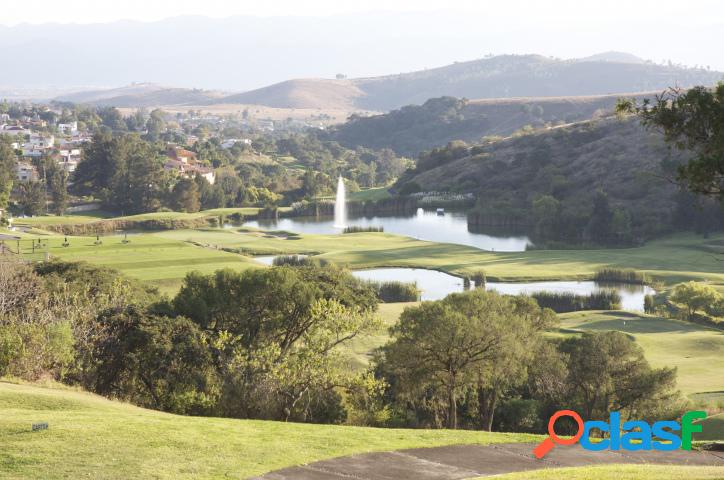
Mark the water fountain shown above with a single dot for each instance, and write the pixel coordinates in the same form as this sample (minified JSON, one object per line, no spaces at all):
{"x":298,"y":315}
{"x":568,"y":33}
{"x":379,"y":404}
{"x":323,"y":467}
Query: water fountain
{"x":340,"y":206}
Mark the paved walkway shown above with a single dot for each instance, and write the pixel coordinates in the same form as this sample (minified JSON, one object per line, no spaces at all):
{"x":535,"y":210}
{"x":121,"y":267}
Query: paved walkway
{"x":467,"y":461}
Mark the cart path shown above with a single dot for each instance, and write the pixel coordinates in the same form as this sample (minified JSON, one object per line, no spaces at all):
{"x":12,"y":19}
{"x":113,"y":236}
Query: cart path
{"x":467,"y":461}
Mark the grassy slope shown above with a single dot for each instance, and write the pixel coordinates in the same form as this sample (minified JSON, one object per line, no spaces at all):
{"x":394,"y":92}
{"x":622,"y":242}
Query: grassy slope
{"x":617,"y":472}
{"x":696,"y":351}
{"x":89,"y":435}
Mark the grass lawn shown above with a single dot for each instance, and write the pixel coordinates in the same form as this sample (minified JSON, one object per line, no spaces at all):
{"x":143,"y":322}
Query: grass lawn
{"x":696,"y":351}
{"x":91,"y":437}
{"x":93,"y":216}
{"x":160,"y":261}
{"x":81,"y":217}
{"x":166,"y":256}
{"x":617,"y":472}
{"x":672,"y":260}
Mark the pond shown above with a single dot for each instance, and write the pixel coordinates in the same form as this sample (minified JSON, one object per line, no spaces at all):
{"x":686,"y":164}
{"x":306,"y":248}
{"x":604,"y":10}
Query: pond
{"x":451,"y":227}
{"x":437,"y":285}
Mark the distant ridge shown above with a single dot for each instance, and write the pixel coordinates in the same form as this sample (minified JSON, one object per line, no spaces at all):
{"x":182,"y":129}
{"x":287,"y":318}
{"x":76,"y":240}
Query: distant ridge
{"x":503,"y":76}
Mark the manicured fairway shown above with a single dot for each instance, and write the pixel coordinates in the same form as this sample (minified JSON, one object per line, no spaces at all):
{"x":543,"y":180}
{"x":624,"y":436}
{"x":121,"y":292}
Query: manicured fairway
{"x":161,"y":262}
{"x":91,"y":437}
{"x":176,"y":252}
{"x":696,"y":351}
{"x":674,"y":259}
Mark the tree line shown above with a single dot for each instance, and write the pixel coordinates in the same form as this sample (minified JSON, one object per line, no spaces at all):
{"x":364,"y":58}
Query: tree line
{"x":272,"y":344}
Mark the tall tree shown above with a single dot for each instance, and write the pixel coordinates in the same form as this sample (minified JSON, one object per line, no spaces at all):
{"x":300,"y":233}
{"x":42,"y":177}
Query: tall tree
{"x":58,"y":183}
{"x":451,"y":346}
{"x":185,"y":196}
{"x":32,"y":197}
{"x":690,"y":120}
{"x":7,"y":169}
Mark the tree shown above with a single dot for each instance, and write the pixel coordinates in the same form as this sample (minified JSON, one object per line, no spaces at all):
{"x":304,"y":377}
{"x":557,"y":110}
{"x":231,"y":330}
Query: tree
{"x":7,"y":170}
{"x":32,"y":197}
{"x":607,"y":372}
{"x":690,"y":120}
{"x":453,"y":345}
{"x":58,"y":180}
{"x":155,"y":361}
{"x":601,"y":222}
{"x":155,"y":125}
{"x":275,"y":333}
{"x":694,"y":296}
{"x":185,"y":196}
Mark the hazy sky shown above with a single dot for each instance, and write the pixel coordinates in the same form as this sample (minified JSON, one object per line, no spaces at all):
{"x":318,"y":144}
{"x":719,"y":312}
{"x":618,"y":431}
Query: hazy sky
{"x":562,"y":12}
{"x":375,"y":37}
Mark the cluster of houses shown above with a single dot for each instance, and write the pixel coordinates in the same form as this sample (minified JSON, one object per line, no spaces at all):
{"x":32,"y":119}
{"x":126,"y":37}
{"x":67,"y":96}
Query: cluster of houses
{"x":32,"y":144}
{"x":185,"y":164}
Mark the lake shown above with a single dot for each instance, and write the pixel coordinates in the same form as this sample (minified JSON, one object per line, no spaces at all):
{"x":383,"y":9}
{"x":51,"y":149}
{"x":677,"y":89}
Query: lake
{"x":452,"y":227}
{"x":436,"y":285}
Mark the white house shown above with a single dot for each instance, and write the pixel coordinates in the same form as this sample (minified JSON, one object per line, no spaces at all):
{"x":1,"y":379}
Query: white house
{"x":69,"y":158}
{"x":68,"y":128}
{"x":25,"y":172}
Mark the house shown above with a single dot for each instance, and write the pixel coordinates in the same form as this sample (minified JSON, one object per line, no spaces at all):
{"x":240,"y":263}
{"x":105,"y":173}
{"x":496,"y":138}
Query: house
{"x":181,"y":154}
{"x":41,"y":141}
{"x":15,"y":130}
{"x":185,"y":164}
{"x":68,"y":158}
{"x":25,"y":172}
{"x":68,"y":128}
{"x":188,"y":170}
{"x":233,"y":141}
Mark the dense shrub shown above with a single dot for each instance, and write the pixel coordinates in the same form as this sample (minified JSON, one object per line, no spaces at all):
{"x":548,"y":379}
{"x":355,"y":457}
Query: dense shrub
{"x":569,"y":302}
{"x":393,"y":292}
{"x":358,"y":229}
{"x":621,"y":275}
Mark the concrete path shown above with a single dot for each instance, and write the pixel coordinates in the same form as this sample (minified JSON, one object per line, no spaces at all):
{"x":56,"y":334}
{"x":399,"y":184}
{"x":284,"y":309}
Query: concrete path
{"x":466,"y":461}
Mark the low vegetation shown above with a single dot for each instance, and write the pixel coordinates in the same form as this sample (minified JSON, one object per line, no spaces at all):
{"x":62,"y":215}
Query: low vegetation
{"x":569,"y":302}
{"x":620,"y":275}
{"x":358,"y":229}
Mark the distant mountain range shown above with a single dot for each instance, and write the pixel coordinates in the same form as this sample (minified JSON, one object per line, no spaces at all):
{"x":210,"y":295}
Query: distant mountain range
{"x":503,"y":76}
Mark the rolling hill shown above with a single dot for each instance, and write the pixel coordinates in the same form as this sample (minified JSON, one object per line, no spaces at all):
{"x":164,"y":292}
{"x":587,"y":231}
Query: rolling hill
{"x":142,"y":95}
{"x":502,"y":76}
{"x":412,"y":129}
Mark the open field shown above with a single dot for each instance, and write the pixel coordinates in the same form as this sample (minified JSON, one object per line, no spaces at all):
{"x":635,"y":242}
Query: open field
{"x":696,"y":351}
{"x":117,"y":440}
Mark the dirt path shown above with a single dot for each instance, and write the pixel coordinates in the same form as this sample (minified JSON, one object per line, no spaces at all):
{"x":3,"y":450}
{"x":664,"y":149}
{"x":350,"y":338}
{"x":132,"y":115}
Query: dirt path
{"x":467,"y":461}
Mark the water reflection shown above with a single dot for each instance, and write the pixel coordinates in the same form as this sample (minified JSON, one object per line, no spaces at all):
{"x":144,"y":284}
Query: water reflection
{"x":437,"y":285}
{"x":452,"y":227}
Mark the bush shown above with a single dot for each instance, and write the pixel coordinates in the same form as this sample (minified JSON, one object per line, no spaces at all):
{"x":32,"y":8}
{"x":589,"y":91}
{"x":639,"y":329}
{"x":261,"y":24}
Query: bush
{"x":293,"y":261}
{"x":393,"y":292}
{"x":518,"y":415}
{"x":621,"y":275}
{"x":358,"y":229}
{"x":649,"y":304}
{"x":569,"y":302}
{"x":479,"y":278}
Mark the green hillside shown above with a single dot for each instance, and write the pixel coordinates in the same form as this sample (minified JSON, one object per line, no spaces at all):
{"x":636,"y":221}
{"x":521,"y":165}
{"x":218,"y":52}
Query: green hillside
{"x":115,"y":440}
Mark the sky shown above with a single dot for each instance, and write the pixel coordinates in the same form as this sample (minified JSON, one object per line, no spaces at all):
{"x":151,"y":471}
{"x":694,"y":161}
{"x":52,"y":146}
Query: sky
{"x":561,"y":12}
{"x":375,"y":37}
